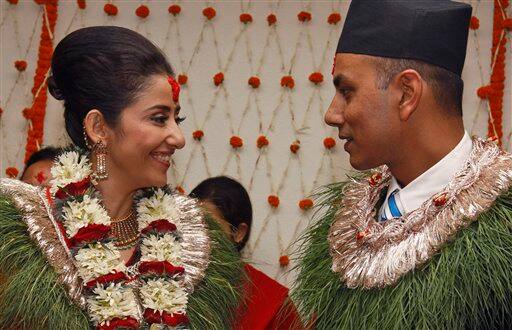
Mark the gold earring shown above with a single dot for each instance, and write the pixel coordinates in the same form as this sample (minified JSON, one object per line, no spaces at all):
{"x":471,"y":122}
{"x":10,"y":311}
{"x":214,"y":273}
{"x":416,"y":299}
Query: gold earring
{"x":86,"y":139}
{"x":101,"y":172}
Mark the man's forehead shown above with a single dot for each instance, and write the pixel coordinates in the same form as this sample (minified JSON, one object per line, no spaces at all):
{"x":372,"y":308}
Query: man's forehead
{"x":352,"y":66}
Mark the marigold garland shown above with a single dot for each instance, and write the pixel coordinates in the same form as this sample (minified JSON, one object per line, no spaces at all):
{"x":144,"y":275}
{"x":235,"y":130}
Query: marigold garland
{"x":254,"y":82}
{"x":209,"y":13}
{"x":304,"y":16}
{"x":334,"y":18}
{"x":329,"y":143}
{"x":271,"y":19}
{"x":306,"y":204}
{"x":12,"y":172}
{"x":218,"y":79}
{"x":174,"y":9}
{"x":316,"y":78}
{"x":38,"y":109}
{"x":245,"y":18}
{"x":13,"y":2}
{"x":287,"y":82}
{"x":507,"y":24}
{"x":198,"y":135}
{"x":236,"y":142}
{"x":284,"y":261}
{"x":273,"y":200}
{"x":262,"y":142}
{"x":20,"y":65}
{"x":182,"y":79}
{"x":474,"y":23}
{"x":180,"y":190}
{"x":294,"y":147}
{"x":142,"y":11}
{"x":110,"y":9}
{"x":81,"y":4}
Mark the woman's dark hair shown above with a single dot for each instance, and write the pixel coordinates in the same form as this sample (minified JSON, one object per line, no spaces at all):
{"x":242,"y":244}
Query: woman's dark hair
{"x":232,"y":200}
{"x":48,"y":153}
{"x":104,"y":68}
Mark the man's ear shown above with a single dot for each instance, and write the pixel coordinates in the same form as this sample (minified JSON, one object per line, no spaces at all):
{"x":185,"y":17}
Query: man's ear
{"x":240,"y":232}
{"x":96,"y":127}
{"x":410,"y":87}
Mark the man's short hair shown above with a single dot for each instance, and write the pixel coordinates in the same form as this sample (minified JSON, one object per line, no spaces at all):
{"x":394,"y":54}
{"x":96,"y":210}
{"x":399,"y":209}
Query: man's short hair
{"x":47,"y":153}
{"x":446,"y":86}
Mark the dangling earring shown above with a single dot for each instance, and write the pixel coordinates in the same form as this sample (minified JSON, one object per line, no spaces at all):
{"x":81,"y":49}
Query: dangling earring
{"x":101,"y":162}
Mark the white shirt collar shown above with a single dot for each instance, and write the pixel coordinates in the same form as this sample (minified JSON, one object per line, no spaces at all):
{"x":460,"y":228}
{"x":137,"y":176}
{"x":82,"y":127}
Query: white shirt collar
{"x":432,"y":180}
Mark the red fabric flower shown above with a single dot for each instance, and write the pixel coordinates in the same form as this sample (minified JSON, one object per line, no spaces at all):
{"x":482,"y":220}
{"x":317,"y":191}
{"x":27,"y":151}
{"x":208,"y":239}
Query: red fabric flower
{"x":507,"y":23}
{"x":175,"y":89}
{"x":287,"y":81}
{"x":284,"y":261}
{"x":316,"y":78}
{"x":108,"y":278}
{"x":180,"y":190}
{"x":81,"y":4}
{"x":294,"y":147}
{"x":218,"y":79}
{"x":142,"y":11}
{"x":484,"y":92}
{"x":117,"y":323}
{"x":474,"y":23}
{"x":162,"y":226}
{"x":262,"y":141}
{"x":209,"y":13}
{"x":90,"y":233}
{"x":159,"y":268}
{"x":334,"y":18}
{"x":182,"y":79}
{"x":304,"y":16}
{"x":245,"y":18}
{"x":236,"y":142}
{"x":13,"y":2}
{"x":254,"y":82}
{"x":329,"y":143}
{"x":110,"y":9}
{"x":12,"y":172}
{"x":198,"y":135}
{"x":273,"y":200}
{"x":174,"y":9}
{"x":306,"y":204}
{"x":20,"y":65}
{"x":271,"y":19}
{"x":73,"y":189}
{"x":151,"y":316}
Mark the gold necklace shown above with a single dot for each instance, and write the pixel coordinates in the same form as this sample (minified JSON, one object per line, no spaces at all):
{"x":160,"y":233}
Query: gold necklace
{"x":125,"y":230}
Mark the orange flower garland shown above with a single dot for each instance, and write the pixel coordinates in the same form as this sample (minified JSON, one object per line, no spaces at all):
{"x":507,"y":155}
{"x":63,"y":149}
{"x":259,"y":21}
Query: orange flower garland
{"x":254,"y":82}
{"x":180,"y":190}
{"x":110,"y":9}
{"x":209,"y":13}
{"x":273,"y":200}
{"x":174,"y":9}
{"x":262,"y":142}
{"x":474,"y":23}
{"x":182,"y":79}
{"x":81,"y":4}
{"x":334,"y":18}
{"x":329,"y":143}
{"x":284,"y":261}
{"x":38,"y":109}
{"x":294,"y":147}
{"x":20,"y":65}
{"x":316,"y":78}
{"x":507,"y":24}
{"x":218,"y":79}
{"x":236,"y":142}
{"x":271,"y":19}
{"x":198,"y":135}
{"x":305,"y":204}
{"x":304,"y":16}
{"x":142,"y":11}
{"x":288,"y":82}
{"x":245,"y":18}
{"x":12,"y":172}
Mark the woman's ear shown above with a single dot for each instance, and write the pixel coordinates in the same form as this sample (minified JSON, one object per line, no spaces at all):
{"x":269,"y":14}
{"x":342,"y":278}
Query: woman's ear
{"x":410,"y":86}
{"x":240,"y":232}
{"x":96,"y":127}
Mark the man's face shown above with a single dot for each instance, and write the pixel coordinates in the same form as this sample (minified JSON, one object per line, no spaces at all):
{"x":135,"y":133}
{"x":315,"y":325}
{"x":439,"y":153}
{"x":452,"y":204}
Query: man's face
{"x":362,"y":113}
{"x":38,"y":174}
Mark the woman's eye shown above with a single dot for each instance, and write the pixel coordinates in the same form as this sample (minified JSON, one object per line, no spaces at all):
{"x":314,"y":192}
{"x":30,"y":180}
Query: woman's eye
{"x":179,"y":120}
{"x":160,"y":119}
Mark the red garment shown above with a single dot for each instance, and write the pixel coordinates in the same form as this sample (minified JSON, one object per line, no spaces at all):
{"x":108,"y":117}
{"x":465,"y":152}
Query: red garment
{"x":263,"y":307}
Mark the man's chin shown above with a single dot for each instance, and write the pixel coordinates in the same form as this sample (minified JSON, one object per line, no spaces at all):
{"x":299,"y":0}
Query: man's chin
{"x":360,"y":165}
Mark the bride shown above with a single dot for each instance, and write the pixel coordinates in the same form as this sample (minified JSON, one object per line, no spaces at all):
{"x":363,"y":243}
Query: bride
{"x":109,"y":245}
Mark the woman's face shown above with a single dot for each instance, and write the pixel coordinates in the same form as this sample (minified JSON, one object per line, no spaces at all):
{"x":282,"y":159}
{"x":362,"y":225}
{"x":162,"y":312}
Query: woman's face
{"x":146,"y":137}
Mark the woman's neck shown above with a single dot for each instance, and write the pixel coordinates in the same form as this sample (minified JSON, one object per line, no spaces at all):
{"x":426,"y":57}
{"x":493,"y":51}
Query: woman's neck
{"x":117,"y":201}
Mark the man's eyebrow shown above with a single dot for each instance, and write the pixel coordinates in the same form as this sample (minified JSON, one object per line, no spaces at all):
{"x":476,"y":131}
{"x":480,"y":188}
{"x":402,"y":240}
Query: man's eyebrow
{"x":340,"y":79}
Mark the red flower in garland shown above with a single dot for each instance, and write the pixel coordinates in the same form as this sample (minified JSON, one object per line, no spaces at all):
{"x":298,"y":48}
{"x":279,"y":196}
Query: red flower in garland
{"x":484,"y":92}
{"x":441,"y":200}
{"x":1,"y":112}
{"x":174,"y":9}
{"x":474,"y":23}
{"x":13,"y":2}
{"x":271,"y":19}
{"x":507,"y":24}
{"x":110,"y":9}
{"x":142,"y":11}
{"x":81,"y":4}
{"x":40,"y":2}
{"x":254,"y":82}
{"x":198,"y":135}
{"x":245,"y":18}
{"x":273,"y":200}
{"x":117,"y":323}
{"x":108,"y":278}
{"x":294,"y":147}
{"x":284,"y":261}
{"x":151,"y":316}
{"x":90,"y":233}
{"x":329,"y":143}
{"x":182,"y":79}
{"x":73,"y":189}
{"x":180,"y":190}
{"x":20,"y":65}
{"x":159,"y":268}
{"x":236,"y":142}
{"x":375,"y":179}
{"x":316,"y":78}
{"x":305,"y":204}
{"x":304,"y":16}
{"x":262,"y":141}
{"x":288,"y":82}
{"x":12,"y":172}
{"x":209,"y":13}
{"x":218,"y":79}
{"x":334,"y":18}
{"x":162,"y":226}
